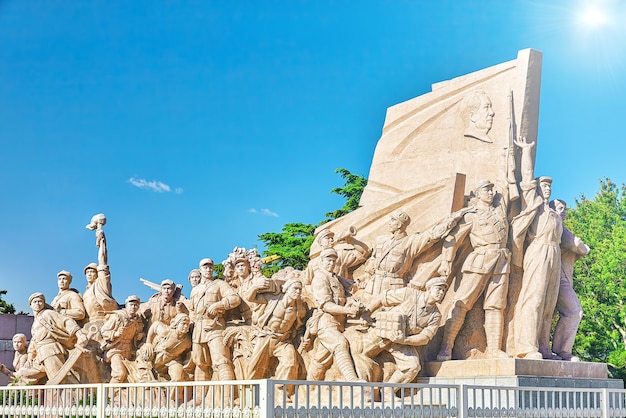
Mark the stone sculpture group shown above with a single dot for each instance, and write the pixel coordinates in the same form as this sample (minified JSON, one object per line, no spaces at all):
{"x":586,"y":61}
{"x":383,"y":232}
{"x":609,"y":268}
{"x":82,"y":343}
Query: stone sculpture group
{"x":363,"y":310}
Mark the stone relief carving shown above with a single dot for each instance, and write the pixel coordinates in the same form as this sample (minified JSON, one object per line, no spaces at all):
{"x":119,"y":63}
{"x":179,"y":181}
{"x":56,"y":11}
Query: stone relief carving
{"x":98,"y":297}
{"x":389,"y":286}
{"x":68,"y":301}
{"x":122,"y":333}
{"x":207,"y":304}
{"x":537,"y":234}
{"x":567,"y":305}
{"x":478,"y":113}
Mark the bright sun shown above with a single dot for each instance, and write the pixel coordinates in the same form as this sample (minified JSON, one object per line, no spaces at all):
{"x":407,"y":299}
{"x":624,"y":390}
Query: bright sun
{"x":593,"y":17}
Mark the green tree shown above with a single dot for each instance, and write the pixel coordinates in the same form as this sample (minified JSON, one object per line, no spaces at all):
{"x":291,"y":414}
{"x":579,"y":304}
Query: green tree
{"x":5,"y":307}
{"x":292,"y":244}
{"x":351,"y":191}
{"x":600,"y":277}
{"x":294,"y":241}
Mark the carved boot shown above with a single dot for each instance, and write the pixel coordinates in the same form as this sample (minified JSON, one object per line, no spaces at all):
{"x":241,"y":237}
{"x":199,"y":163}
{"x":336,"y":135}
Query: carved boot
{"x":494,"y":326}
{"x":453,"y":326}
{"x":344,"y":364}
{"x":226,"y":372}
{"x":315,"y":371}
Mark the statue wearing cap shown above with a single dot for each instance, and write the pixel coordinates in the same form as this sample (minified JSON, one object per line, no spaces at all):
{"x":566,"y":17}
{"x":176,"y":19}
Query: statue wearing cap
{"x":328,"y":322}
{"x":351,"y":253}
{"x":411,"y":321}
{"x":276,"y":323}
{"x":161,"y":306}
{"x":484,"y":271}
{"x":167,"y":347}
{"x":207,"y":304}
{"x":568,"y":305}
{"x":536,"y":246}
{"x":98,"y":296}
{"x":52,"y":335}
{"x":122,"y":333}
{"x":393,"y":255}
{"x":68,"y":301}
{"x":238,"y":274}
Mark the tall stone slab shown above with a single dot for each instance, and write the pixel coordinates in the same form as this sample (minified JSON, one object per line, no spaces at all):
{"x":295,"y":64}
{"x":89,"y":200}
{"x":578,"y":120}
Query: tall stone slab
{"x":427,"y":163}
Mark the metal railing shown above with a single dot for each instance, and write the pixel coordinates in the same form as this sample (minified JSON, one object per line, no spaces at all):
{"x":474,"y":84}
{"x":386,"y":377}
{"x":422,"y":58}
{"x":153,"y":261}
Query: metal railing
{"x":302,"y":399}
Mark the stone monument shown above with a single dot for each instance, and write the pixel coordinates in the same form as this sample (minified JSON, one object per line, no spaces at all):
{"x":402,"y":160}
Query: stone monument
{"x":439,"y":275}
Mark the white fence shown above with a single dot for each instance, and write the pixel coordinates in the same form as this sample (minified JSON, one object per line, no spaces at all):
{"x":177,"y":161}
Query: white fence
{"x":300,"y":399}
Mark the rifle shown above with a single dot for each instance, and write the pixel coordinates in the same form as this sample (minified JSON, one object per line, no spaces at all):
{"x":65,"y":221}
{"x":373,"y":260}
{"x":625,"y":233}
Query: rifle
{"x":510,"y":155}
{"x":157,"y":287}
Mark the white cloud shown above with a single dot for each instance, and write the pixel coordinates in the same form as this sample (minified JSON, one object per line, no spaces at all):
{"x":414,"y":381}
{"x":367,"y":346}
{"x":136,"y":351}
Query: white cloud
{"x":154,"y":185}
{"x":265,"y":212}
{"x":269,"y":213}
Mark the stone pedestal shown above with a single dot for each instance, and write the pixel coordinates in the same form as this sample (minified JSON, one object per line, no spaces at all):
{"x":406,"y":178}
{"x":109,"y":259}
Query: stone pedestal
{"x":520,"y":373}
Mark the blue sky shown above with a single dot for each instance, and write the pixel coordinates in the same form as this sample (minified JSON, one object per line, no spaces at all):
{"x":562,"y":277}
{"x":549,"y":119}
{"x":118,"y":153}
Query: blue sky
{"x":196,"y":126}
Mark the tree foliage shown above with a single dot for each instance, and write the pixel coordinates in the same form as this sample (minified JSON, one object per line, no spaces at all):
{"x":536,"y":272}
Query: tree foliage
{"x":292,"y":244}
{"x":294,"y":241}
{"x":5,"y":307}
{"x":600,"y":277}
{"x":351,"y":191}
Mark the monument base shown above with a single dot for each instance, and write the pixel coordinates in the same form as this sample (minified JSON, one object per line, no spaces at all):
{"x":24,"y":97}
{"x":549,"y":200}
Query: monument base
{"x":520,"y":373}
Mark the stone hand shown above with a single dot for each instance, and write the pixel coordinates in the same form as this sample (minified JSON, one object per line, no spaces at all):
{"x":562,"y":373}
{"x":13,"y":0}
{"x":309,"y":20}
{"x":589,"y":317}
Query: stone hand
{"x":522,"y":143}
{"x":352,"y":310}
{"x":262,"y":283}
{"x":216,"y":309}
{"x":397,"y":337}
{"x":444,"y":268}
{"x":148,"y":351}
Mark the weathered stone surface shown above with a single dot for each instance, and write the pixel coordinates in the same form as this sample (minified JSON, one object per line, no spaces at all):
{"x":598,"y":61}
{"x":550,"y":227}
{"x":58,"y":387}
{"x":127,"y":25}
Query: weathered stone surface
{"x":515,"y":367}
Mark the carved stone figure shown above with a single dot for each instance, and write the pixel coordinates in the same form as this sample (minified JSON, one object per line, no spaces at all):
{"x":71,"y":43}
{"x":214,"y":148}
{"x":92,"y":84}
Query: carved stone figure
{"x":538,"y":229}
{"x":478,"y":112}
{"x":568,"y":306}
{"x":276,"y":324}
{"x":351,"y":253}
{"x":122,"y":333}
{"x":21,"y":355}
{"x":162,"y":306}
{"x":485,"y":270}
{"x":167,"y":346}
{"x":23,"y":374}
{"x":98,"y":295}
{"x":68,"y":301}
{"x":238,"y":274}
{"x":328,"y":322}
{"x":194,"y":277}
{"x":208,"y":303}
{"x":411,"y":322}
{"x":393,"y":255}
{"x":53,"y":334}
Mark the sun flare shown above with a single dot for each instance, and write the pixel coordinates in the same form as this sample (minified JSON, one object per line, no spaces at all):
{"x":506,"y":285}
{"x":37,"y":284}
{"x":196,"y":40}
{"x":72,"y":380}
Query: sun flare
{"x":593,"y":17}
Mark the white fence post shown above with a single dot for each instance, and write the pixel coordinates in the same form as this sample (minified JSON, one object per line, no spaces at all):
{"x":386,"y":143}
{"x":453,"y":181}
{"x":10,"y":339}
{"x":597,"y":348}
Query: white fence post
{"x":463,"y":402}
{"x":605,"y":403}
{"x":266,"y":398}
{"x":101,"y":401}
